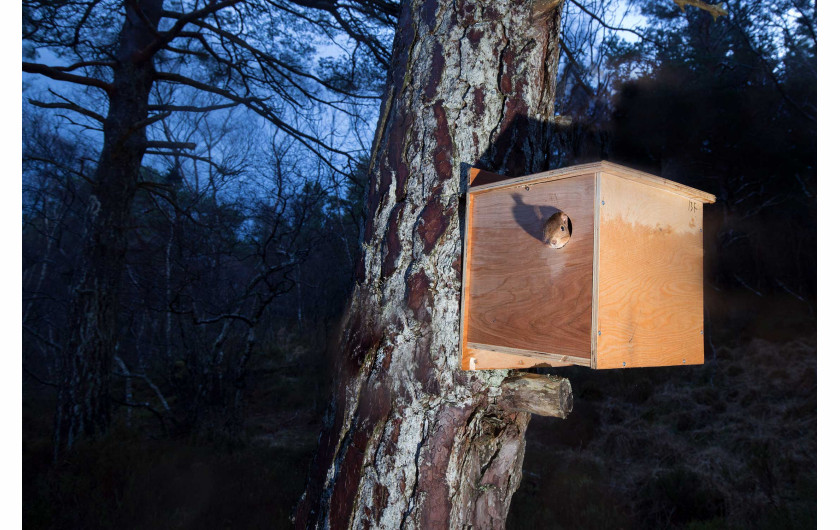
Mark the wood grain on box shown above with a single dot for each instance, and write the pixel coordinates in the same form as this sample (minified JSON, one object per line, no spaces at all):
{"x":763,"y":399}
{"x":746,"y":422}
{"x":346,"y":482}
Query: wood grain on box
{"x":626,"y":291}
{"x":650,"y":277}
{"x":522,"y":293}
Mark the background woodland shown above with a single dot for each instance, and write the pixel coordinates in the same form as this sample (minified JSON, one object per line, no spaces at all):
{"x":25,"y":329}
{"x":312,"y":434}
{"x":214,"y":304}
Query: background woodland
{"x":242,"y":241}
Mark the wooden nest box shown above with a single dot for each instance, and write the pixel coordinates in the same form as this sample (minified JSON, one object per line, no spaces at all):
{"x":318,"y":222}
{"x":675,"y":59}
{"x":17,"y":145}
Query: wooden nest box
{"x":626,"y":289}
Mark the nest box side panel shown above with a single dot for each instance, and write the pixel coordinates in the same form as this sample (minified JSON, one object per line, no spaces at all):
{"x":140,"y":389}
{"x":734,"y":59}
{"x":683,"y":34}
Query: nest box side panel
{"x":527,"y":304}
{"x":650,"y":276}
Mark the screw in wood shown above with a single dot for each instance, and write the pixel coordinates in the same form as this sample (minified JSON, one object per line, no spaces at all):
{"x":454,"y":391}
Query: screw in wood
{"x":683,"y":361}
{"x":602,"y":203}
{"x":701,"y":331}
{"x":624,"y":364}
{"x":527,"y":188}
{"x":599,"y":332}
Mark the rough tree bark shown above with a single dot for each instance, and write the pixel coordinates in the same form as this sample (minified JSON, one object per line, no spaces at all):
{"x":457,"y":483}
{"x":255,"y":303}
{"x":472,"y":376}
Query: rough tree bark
{"x":411,"y":440}
{"x":84,"y":406}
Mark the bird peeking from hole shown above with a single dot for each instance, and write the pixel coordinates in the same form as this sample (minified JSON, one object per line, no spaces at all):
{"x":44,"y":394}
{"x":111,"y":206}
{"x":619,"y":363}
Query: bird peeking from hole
{"x":557,"y":230}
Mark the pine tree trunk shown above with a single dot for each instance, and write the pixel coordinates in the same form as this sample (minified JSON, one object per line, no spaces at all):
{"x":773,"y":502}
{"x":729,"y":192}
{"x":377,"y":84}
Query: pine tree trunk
{"x":411,"y":440}
{"x":84,"y":405}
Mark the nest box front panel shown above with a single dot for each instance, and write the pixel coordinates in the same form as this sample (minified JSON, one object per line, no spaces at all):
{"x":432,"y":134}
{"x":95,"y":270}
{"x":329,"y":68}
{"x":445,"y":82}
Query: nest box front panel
{"x":649,"y":276}
{"x":523,"y":299}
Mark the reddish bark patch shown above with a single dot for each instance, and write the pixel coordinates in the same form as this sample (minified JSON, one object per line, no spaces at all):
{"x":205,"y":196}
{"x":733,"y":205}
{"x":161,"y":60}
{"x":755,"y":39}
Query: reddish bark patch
{"x":383,"y":186}
{"x":428,"y":12}
{"x":478,"y":101}
{"x":508,"y":430}
{"x":359,"y":272}
{"x":380,"y":500}
{"x":374,"y":405}
{"x":506,"y":81}
{"x":508,"y":70}
{"x":361,"y":336}
{"x":424,"y":368}
{"x":387,"y":351}
{"x":403,"y":39}
{"x":371,"y":204}
{"x":435,"y":510}
{"x":466,"y":13}
{"x":391,"y":443}
{"x":436,"y":71}
{"x":506,"y":84}
{"x":392,"y":241}
{"x":432,"y":224}
{"x":395,"y":327}
{"x":491,"y":13}
{"x":442,"y":154}
{"x":417,"y":295}
{"x":347,"y":481}
{"x":305,"y":510}
{"x":402,"y":177}
{"x":474,"y":36}
{"x":458,"y":266}
{"x":396,"y":145}
{"x":516,"y":112}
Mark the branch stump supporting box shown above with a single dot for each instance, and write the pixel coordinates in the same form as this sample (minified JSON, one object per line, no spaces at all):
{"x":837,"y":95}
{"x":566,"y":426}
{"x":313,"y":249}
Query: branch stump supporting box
{"x":625,"y":291}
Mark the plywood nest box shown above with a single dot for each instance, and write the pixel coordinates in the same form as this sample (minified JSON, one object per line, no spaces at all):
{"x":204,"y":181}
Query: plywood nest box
{"x":625,"y":291}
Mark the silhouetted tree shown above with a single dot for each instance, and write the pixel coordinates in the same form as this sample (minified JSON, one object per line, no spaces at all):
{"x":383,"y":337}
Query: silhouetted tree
{"x":193,"y":57}
{"x":744,"y":89}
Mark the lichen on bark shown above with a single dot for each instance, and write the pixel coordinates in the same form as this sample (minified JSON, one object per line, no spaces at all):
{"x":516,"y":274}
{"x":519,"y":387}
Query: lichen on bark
{"x":411,"y":440}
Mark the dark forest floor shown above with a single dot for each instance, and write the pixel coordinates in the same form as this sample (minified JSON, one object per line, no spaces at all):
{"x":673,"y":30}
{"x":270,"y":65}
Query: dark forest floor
{"x":730,"y":444}
{"x":137,"y":481}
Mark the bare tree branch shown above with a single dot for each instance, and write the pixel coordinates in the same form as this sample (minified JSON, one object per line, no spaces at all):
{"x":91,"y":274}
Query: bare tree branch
{"x":68,"y":106}
{"x":257,"y":105}
{"x":605,"y":24}
{"x":83,"y":64}
{"x":34,"y":376}
{"x":184,"y":19}
{"x":577,"y":69}
{"x":144,"y":377}
{"x":191,"y":108}
{"x":145,"y":405}
{"x":150,"y":120}
{"x":59,"y":75}
{"x":162,"y":144}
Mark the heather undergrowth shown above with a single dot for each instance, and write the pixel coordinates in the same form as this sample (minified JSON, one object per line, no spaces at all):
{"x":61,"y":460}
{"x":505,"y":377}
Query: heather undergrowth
{"x":730,"y":444}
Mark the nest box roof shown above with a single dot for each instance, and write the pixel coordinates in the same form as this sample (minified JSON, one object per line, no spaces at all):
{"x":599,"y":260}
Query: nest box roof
{"x":481,"y":180}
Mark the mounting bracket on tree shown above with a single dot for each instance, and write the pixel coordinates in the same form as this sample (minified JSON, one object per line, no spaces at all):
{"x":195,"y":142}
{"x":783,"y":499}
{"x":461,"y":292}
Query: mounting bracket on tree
{"x":625,"y":291}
